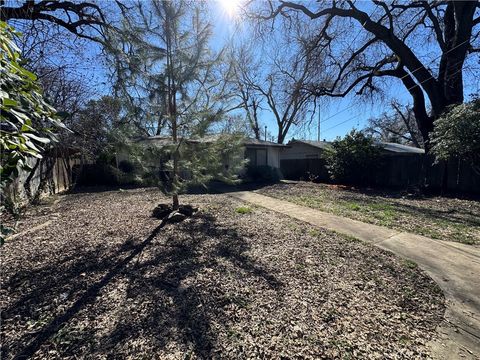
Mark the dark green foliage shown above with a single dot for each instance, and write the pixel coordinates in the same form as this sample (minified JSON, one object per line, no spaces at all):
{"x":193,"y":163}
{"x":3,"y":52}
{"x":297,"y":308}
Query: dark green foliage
{"x":262,"y":174}
{"x":127,"y":166}
{"x":457,"y":134}
{"x":151,"y":177}
{"x":101,"y":174}
{"x":355,"y":159}
{"x":27,"y":121}
{"x":200,"y":161}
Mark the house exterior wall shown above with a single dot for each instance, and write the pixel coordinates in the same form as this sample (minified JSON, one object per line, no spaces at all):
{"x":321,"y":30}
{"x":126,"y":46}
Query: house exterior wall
{"x":274,"y":157}
{"x":263,"y":155}
{"x":300,"y":151}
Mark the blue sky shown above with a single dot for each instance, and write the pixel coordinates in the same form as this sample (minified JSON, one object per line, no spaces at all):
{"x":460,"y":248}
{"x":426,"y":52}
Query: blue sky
{"x":338,"y":115}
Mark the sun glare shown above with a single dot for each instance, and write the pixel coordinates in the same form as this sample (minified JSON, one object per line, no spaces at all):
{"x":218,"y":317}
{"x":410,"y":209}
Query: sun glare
{"x":231,"y":7}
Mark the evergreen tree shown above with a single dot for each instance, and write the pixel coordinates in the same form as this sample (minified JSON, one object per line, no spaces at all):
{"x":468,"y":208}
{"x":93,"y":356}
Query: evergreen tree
{"x":171,"y":77}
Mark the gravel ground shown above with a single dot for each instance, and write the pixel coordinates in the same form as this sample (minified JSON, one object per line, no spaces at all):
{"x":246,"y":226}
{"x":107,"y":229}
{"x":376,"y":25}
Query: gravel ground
{"x":443,"y":218}
{"x":104,"y":280}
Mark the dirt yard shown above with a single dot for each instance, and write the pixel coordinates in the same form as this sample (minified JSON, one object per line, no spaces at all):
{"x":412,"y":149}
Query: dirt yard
{"x":104,"y":280}
{"x":443,"y":218}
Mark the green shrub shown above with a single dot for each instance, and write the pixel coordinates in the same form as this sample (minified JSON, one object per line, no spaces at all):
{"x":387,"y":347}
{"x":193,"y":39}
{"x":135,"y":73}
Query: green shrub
{"x":97,"y":174}
{"x":28,"y":122}
{"x":151,"y":177}
{"x":456,"y":134}
{"x":127,"y":166}
{"x":264,"y":174}
{"x":354,"y":159}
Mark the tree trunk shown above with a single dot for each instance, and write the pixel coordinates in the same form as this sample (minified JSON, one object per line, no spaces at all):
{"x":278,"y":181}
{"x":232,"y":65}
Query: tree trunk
{"x":172,"y":111}
{"x":444,"y":188}
{"x":254,"y":121}
{"x":28,"y":182}
{"x":281,"y":135}
{"x":175,"y":202}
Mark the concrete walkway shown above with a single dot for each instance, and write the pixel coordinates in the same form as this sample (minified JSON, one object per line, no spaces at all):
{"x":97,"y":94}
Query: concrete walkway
{"x":455,"y":267}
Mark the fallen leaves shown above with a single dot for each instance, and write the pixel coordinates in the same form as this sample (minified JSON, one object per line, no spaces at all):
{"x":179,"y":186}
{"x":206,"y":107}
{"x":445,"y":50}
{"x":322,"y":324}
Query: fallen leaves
{"x":102,"y":280}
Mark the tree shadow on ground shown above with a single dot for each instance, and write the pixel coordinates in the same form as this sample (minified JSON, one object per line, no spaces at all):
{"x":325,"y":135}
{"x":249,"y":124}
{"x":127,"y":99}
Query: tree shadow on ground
{"x":169,"y":296}
{"x":415,"y":208}
{"x":213,"y":187}
{"x":457,"y":215}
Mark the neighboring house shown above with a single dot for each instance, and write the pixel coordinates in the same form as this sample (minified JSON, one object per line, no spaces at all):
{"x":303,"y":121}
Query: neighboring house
{"x":262,"y":152}
{"x":258,"y":152}
{"x":302,"y":159}
{"x":309,"y":149}
{"x":304,"y":149}
{"x":393,"y":149}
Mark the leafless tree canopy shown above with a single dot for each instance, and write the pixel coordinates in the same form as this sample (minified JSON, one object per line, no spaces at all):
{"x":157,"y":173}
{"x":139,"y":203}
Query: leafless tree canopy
{"x":273,"y":73}
{"x":397,"y":125}
{"x":368,"y":41}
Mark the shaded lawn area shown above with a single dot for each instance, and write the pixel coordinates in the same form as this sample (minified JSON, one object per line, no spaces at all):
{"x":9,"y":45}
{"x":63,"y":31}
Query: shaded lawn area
{"x":436,"y":217}
{"x":105,"y":280}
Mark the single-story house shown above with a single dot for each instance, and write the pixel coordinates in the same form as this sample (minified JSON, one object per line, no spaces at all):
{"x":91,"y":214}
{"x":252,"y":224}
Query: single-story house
{"x":302,"y":159}
{"x":258,"y":152}
{"x":262,"y":152}
{"x":304,"y":149}
{"x":389,"y":148}
{"x":309,"y":149}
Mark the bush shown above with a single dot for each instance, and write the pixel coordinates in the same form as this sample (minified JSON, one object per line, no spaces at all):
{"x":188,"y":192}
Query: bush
{"x":104,"y":175}
{"x":264,"y":173}
{"x":151,"y":178}
{"x":353,"y":159}
{"x":27,"y":121}
{"x":127,"y":167}
{"x":456,"y":134}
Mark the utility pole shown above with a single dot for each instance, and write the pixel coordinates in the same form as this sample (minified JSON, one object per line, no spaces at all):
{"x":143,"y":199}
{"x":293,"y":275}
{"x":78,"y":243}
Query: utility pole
{"x":318,"y":133}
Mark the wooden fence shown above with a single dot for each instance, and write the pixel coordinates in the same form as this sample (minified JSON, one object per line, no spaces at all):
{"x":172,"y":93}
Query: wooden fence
{"x":397,"y":171}
{"x":50,"y":176}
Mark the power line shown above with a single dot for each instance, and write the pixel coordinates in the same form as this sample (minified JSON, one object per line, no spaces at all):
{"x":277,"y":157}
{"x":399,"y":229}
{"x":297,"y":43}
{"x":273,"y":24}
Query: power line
{"x":408,"y":89}
{"x":343,"y":122}
{"x":404,"y":76}
{"x":356,"y":116}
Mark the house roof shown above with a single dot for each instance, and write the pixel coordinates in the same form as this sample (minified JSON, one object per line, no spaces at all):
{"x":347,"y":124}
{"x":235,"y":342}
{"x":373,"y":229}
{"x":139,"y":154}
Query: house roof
{"x":165,"y":140}
{"x":317,"y":144}
{"x":399,"y":148}
{"x":256,"y":142}
{"x":387,"y":146}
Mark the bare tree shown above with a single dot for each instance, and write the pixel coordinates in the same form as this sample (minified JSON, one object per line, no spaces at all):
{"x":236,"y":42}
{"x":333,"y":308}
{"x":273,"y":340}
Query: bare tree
{"x":392,"y":37}
{"x":244,"y":75}
{"x":277,"y":81}
{"x":67,"y":92}
{"x":397,"y":126}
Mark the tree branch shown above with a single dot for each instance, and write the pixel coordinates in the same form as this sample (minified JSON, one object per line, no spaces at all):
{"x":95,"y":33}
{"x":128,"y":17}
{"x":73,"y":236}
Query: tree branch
{"x":87,"y":14}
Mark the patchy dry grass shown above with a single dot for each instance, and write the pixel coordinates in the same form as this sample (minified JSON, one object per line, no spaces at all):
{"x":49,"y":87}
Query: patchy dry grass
{"x":243,"y":210}
{"x":105,"y":280}
{"x":436,"y":217}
